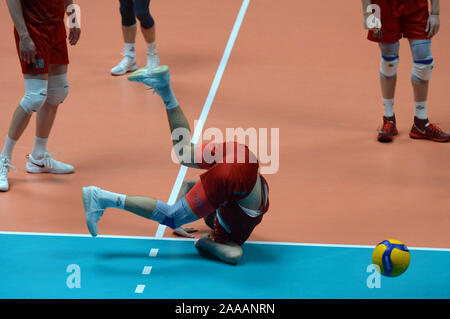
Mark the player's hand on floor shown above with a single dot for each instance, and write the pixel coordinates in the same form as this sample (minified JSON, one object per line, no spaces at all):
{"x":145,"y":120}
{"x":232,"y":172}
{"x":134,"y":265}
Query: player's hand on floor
{"x":74,"y":35}
{"x":433,"y":25}
{"x":185,"y":231}
{"x":27,"y":49}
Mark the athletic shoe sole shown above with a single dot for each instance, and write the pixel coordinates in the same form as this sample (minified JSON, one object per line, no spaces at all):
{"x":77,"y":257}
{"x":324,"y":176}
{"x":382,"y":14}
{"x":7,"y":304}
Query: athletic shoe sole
{"x":86,"y":194}
{"x":421,"y":137}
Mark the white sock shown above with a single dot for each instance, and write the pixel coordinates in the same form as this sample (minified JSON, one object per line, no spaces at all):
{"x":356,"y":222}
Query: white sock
{"x":420,"y":110}
{"x":40,"y":147}
{"x":388,"y":105}
{"x":8,"y":147}
{"x":151,"y":47}
{"x":130,"y":50}
{"x":110,"y":199}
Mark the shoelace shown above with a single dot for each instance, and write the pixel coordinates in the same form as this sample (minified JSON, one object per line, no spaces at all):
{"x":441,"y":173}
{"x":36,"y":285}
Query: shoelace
{"x":436,"y":128}
{"x":125,"y":61}
{"x":4,"y":168}
{"x":48,"y":160}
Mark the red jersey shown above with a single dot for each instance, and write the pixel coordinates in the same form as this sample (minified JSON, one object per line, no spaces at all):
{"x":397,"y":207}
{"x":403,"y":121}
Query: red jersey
{"x":43,"y":11}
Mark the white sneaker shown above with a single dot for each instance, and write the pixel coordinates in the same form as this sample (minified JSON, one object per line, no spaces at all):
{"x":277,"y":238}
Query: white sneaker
{"x":4,"y":170}
{"x":47,"y":165}
{"x":128,"y":64}
{"x":152,"y":60}
{"x":93,"y":209}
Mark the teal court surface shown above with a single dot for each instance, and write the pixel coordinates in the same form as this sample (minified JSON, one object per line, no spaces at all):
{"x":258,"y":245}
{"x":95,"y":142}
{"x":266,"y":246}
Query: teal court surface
{"x":65,"y":266}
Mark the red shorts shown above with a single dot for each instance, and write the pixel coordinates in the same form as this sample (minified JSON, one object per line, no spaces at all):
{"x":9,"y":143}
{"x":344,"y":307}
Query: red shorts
{"x":51,"y":47}
{"x":401,"y":18}
{"x":219,"y":190}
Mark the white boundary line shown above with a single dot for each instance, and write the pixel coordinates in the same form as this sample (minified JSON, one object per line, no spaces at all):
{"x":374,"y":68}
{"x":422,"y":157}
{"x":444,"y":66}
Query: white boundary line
{"x":190,"y":239}
{"x":209,"y":100}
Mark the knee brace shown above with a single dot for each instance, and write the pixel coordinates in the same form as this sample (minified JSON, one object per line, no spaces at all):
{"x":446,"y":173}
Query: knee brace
{"x":389,"y":59}
{"x":423,"y":63}
{"x":127,"y":13}
{"x":144,"y":17}
{"x":175,"y":215}
{"x":58,"y":89}
{"x":35,"y":95}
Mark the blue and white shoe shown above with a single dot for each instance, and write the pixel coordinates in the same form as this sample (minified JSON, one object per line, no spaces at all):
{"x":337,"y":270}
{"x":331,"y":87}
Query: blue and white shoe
{"x":93,"y":209}
{"x":157,"y":78}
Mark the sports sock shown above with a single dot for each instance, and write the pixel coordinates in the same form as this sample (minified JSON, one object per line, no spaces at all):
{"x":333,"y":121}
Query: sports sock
{"x":168,"y":97}
{"x":130,"y":50}
{"x":8,"y":147}
{"x":151,"y":47}
{"x":388,"y":105}
{"x":420,"y":110}
{"x":40,"y":147}
{"x":110,"y":199}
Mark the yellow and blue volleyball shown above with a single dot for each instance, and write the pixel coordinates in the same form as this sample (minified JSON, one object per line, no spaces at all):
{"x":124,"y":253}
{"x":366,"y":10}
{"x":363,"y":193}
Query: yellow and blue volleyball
{"x":392,"y":256}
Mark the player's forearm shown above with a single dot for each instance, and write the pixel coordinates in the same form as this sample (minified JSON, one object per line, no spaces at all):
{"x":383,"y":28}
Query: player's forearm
{"x":435,"y":7}
{"x":15,"y":10}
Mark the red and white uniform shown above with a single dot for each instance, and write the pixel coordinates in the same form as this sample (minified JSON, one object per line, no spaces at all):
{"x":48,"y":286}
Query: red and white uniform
{"x":401,"y":18}
{"x":45,"y":23}
{"x":221,"y":187}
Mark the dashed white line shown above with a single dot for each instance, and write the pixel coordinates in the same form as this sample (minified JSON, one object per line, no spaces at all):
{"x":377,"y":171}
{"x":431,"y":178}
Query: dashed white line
{"x":147,"y":270}
{"x":139,"y":289}
{"x":153,"y":252}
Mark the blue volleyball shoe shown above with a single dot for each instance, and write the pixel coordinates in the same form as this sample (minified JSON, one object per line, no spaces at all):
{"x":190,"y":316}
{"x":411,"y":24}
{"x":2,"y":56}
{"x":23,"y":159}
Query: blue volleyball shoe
{"x":157,"y":78}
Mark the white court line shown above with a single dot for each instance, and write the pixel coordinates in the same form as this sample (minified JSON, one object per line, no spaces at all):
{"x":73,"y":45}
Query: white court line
{"x":209,"y":100}
{"x":147,"y":270}
{"x":193,"y":239}
{"x":139,"y":289}
{"x":153,"y":252}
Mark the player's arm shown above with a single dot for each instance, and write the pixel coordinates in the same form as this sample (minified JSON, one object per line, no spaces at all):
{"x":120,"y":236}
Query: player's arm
{"x":433,"y":23}
{"x":26,"y":44}
{"x":75,"y":28}
{"x":181,"y":137}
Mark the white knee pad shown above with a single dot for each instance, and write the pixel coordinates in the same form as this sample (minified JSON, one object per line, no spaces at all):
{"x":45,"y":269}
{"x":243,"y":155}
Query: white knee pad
{"x":389,"y":66}
{"x":35,"y":95}
{"x":174,"y":215}
{"x":422,"y":72}
{"x":58,"y":89}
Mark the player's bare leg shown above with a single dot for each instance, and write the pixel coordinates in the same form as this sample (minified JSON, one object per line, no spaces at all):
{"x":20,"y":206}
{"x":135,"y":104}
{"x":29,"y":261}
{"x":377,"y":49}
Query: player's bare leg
{"x":388,"y":82}
{"x":423,"y":65}
{"x":128,"y":63}
{"x":40,"y":161}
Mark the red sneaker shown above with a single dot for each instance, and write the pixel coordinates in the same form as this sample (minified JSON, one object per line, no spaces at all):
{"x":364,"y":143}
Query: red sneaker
{"x":431,"y":132}
{"x":388,"y":130}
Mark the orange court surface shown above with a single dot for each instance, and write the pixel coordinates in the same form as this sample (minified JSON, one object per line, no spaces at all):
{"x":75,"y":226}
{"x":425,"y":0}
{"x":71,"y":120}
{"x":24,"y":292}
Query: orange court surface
{"x":314,"y":79}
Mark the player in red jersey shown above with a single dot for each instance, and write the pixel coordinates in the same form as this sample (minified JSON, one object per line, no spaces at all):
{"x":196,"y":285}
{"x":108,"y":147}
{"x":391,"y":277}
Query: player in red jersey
{"x":231,"y":190}
{"x":40,"y":35}
{"x":409,"y":19}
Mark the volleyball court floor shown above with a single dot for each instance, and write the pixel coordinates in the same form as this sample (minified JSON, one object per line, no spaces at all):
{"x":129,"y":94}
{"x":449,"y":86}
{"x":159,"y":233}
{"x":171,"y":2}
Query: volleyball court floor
{"x":335,"y":192}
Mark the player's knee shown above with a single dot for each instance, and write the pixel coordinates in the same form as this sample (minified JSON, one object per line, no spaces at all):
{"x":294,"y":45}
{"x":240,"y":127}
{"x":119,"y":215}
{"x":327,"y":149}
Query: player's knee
{"x":389,"y":59}
{"x":35,"y":95}
{"x":58,"y":89}
{"x":175,"y":215}
{"x":423,"y":62}
{"x":233,"y":254}
{"x":145,"y":18}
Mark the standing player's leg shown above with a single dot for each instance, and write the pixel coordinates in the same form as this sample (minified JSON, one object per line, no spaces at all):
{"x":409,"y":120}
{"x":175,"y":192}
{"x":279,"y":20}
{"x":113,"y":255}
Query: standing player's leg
{"x":148,"y":29}
{"x":388,"y":81}
{"x":33,"y":100}
{"x":423,"y":64}
{"x":129,"y":30}
{"x":40,"y":161}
